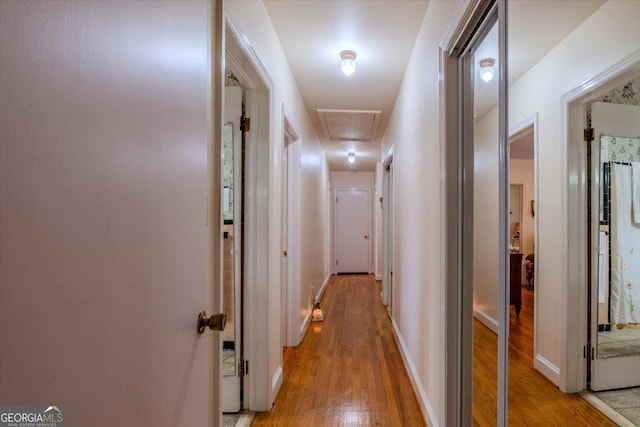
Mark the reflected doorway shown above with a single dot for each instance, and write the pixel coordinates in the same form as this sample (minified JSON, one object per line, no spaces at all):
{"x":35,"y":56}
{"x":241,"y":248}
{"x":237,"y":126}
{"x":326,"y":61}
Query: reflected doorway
{"x":232,"y":232}
{"x":486,"y":226}
{"x":615,"y":228}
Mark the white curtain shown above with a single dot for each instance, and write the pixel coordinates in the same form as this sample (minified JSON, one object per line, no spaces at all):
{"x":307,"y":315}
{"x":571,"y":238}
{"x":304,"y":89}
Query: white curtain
{"x":625,"y":250}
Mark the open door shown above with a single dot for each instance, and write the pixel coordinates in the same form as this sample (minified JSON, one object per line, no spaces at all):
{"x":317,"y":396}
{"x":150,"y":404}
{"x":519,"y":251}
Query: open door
{"x":615,"y":237}
{"x":108,"y":250}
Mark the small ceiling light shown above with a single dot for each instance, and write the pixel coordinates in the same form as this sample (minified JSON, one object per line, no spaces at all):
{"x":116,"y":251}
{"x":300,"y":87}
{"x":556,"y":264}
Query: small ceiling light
{"x":486,"y":69}
{"x":348,"y":63}
{"x":351,"y":157}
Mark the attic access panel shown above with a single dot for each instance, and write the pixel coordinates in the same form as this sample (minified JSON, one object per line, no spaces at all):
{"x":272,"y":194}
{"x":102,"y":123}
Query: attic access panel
{"x":350,"y":125}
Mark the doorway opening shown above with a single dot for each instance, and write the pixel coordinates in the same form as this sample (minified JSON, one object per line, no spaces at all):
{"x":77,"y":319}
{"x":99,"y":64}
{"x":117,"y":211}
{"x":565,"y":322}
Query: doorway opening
{"x":232,"y":242}
{"x":260,"y":248}
{"x":585,"y":208}
{"x":290,"y":271}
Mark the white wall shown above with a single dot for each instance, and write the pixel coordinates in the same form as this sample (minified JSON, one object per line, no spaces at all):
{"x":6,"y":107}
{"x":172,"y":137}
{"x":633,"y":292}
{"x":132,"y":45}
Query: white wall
{"x":103,"y":195}
{"x":605,"y":38}
{"x":414,"y":132}
{"x":253,"y":20}
{"x":521,"y":172}
{"x":485,"y":220}
{"x":352,"y":180}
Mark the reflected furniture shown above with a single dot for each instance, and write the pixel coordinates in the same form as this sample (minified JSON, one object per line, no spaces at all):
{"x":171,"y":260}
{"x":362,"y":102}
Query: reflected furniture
{"x":515,"y":281}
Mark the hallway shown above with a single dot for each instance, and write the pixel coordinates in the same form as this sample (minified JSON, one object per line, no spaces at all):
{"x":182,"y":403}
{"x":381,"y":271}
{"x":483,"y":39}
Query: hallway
{"x":348,"y":370}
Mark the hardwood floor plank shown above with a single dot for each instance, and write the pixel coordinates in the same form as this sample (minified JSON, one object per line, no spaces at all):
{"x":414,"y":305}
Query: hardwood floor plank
{"x":533,"y":400}
{"x":348,"y":369}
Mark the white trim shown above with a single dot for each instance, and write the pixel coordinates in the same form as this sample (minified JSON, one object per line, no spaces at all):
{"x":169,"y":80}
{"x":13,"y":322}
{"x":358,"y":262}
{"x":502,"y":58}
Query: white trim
{"x":388,"y":158}
{"x":242,"y":59}
{"x":423,"y":401}
{"x":320,"y":293}
{"x":459,"y":24}
{"x":378,"y":276}
{"x":292,"y":281}
{"x":546,"y":368}
{"x":573,"y":211}
{"x":304,"y":326}
{"x":607,"y":410}
{"x":486,"y":320}
{"x":276,"y":382}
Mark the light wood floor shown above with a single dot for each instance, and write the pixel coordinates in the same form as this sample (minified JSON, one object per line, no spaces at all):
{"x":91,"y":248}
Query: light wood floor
{"x":348,"y":370}
{"x":533,"y":400}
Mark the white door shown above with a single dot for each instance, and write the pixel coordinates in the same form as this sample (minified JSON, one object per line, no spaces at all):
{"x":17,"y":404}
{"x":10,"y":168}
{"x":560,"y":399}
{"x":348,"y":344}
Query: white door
{"x":352,"y":231}
{"x":105,"y":247}
{"x":232,"y":249}
{"x":615,"y":281}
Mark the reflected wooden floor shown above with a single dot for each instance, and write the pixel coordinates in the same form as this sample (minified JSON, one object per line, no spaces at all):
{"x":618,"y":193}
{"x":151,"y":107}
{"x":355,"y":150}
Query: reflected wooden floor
{"x":348,"y":370}
{"x":533,"y":400}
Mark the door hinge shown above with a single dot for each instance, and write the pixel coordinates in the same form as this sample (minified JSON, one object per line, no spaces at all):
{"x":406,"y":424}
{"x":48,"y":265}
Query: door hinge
{"x":245,"y":124}
{"x":584,"y":351}
{"x":243,"y":368}
{"x":336,"y":262}
{"x":588,"y":134}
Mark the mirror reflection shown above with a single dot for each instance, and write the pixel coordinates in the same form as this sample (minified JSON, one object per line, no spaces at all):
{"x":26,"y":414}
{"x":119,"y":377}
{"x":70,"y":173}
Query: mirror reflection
{"x":619,"y":247}
{"x":486,"y":273}
{"x":229,"y":354}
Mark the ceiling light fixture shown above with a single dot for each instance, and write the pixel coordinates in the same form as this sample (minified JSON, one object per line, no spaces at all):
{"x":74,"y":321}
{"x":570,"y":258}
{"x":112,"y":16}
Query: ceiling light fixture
{"x":348,"y":63}
{"x":351,"y":157}
{"x":486,"y":69}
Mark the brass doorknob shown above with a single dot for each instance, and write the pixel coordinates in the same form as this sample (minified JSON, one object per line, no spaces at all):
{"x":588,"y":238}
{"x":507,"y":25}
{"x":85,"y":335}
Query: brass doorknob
{"x":216,"y":322}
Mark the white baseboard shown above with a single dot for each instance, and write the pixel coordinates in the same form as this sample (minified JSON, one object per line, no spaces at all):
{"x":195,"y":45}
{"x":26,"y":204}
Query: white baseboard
{"x":378,"y":276}
{"x":486,"y":320}
{"x":322,"y":288}
{"x":423,"y":401}
{"x":304,"y":327}
{"x":546,"y":368}
{"x":276,"y":383}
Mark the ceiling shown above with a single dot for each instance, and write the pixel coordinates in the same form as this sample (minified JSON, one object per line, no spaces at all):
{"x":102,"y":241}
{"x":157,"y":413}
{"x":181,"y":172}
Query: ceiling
{"x":355,"y":110}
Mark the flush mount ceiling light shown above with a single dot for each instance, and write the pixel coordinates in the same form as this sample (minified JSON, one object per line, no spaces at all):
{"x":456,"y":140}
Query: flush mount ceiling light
{"x":348,"y":63}
{"x":351,"y":157}
{"x":486,"y":69}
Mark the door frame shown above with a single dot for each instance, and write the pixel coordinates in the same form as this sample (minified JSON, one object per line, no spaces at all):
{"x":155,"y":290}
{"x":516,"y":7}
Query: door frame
{"x":574,"y":286}
{"x":261,"y":234}
{"x":456,"y":237}
{"x":291,"y":187}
